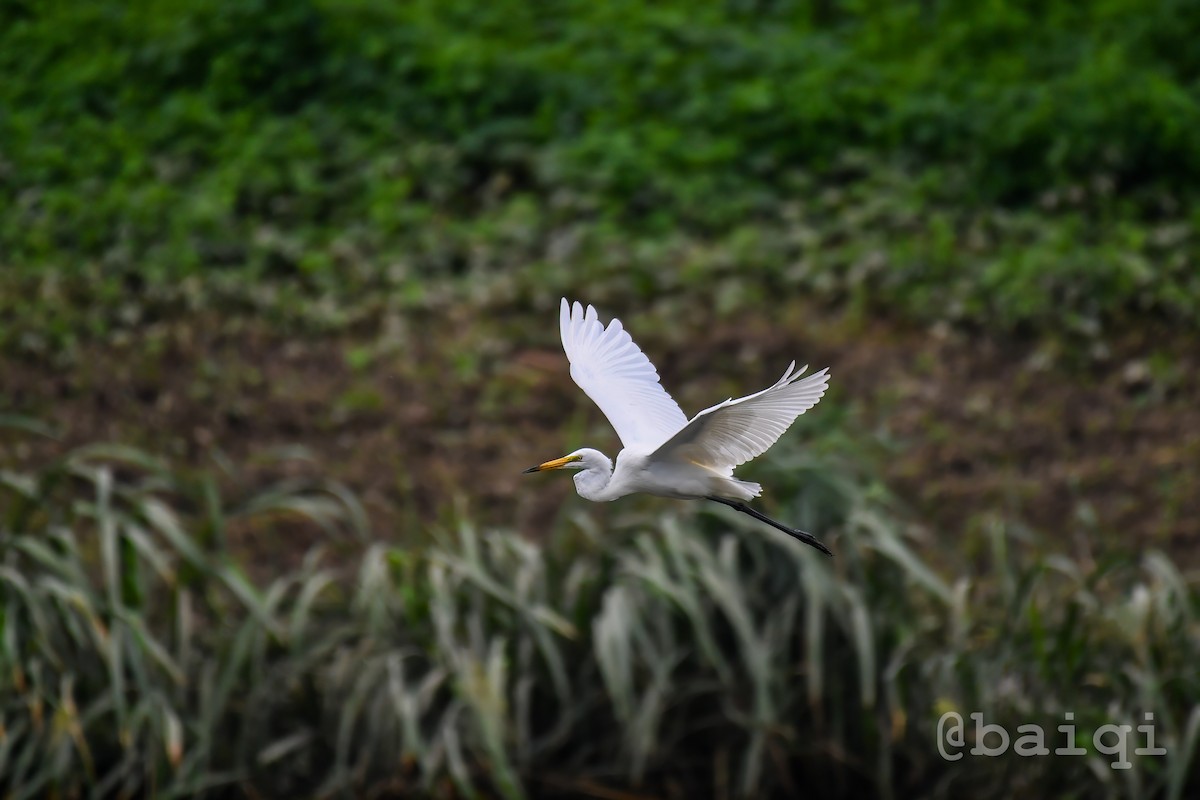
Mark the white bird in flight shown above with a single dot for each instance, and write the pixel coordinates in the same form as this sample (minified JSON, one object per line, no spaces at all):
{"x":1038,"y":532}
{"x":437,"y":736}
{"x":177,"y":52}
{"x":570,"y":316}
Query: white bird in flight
{"x":664,"y":454}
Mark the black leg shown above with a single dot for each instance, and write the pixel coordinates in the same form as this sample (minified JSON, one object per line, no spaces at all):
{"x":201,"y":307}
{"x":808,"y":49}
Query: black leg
{"x":807,"y":538}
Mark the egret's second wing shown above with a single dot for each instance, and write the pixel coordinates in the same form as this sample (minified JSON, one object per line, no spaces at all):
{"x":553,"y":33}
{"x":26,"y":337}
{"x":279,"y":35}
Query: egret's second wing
{"x":733,"y":432}
{"x":616,"y":374}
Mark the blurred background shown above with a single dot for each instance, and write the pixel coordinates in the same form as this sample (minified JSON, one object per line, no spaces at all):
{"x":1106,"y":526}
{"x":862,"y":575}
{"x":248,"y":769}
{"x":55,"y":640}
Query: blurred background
{"x":278,"y":332}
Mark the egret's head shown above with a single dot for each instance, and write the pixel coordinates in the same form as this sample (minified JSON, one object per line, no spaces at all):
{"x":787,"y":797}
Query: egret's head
{"x":569,"y":461}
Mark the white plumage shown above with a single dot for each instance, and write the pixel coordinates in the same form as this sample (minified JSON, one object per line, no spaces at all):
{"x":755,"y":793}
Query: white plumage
{"x":665,"y":453}
{"x":616,"y":374}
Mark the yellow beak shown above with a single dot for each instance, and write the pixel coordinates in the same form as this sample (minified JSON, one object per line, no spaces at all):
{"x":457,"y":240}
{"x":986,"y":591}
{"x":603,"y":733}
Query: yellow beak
{"x":557,"y":463}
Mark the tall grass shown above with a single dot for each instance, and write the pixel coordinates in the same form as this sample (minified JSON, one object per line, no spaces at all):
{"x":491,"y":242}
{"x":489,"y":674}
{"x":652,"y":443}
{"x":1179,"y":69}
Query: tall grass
{"x":681,"y":654}
{"x":129,"y":638}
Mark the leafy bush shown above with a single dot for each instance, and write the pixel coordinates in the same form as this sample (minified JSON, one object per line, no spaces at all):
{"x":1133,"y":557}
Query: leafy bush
{"x":874,"y":246}
{"x":186,"y":127}
{"x":1005,"y":166}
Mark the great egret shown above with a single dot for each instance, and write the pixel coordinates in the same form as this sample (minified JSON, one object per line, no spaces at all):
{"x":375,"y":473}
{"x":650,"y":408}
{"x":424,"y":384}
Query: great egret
{"x":664,"y":453}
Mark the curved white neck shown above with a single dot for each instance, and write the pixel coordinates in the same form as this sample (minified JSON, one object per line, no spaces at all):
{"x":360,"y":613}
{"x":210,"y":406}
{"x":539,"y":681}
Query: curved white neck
{"x":592,"y":482}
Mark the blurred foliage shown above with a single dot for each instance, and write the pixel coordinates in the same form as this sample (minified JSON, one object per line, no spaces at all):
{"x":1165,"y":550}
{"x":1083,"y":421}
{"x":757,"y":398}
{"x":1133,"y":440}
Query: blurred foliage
{"x":137,"y":659}
{"x":873,"y":246}
{"x":1006,"y":162}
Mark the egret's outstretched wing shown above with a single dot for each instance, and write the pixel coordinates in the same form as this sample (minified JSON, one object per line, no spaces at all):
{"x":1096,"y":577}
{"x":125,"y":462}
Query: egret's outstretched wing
{"x":736,"y":431}
{"x":616,"y":374}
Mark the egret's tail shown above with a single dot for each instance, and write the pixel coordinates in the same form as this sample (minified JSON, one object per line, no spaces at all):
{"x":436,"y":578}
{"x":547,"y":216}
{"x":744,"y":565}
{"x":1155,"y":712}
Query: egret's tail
{"x":746,"y":490}
{"x":720,"y":481}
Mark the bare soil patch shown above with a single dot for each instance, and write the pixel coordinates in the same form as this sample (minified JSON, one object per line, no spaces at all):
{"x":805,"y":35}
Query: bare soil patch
{"x":435,"y":414}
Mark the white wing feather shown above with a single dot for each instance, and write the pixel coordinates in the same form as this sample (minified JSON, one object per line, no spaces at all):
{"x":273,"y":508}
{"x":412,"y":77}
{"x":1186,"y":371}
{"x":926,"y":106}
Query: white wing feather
{"x":735,"y":431}
{"x":619,"y":378}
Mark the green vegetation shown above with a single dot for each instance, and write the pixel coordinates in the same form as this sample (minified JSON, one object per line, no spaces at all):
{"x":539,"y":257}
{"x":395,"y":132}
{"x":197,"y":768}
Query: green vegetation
{"x":683,"y":652}
{"x":1011,"y":165}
